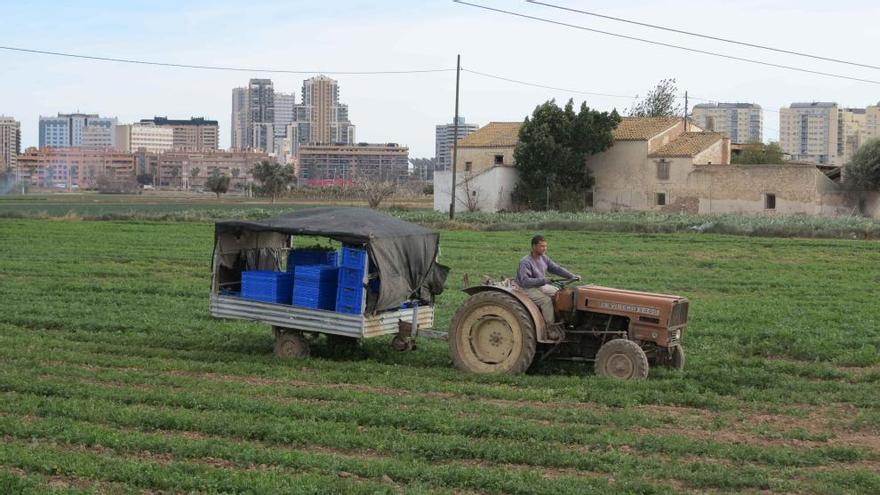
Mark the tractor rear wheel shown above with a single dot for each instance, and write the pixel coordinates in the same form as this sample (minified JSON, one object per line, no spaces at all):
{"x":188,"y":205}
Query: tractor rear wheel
{"x":492,"y":333}
{"x":621,"y":358}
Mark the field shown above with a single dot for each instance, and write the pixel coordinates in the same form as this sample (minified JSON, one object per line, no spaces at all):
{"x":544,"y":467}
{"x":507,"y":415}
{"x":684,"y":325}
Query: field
{"x":115,"y":379}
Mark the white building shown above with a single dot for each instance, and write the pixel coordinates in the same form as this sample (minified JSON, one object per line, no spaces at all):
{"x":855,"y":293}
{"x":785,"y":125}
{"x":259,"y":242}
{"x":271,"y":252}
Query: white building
{"x":98,"y":138}
{"x":285,"y":114}
{"x":741,"y":122}
{"x":146,"y":137}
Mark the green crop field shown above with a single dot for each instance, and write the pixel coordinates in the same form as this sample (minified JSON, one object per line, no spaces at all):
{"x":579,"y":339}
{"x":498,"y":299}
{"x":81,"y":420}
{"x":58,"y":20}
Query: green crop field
{"x":114,"y":378}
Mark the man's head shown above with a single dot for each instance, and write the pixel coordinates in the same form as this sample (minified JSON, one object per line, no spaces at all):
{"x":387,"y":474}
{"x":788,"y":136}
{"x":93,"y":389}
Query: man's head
{"x":539,"y":245}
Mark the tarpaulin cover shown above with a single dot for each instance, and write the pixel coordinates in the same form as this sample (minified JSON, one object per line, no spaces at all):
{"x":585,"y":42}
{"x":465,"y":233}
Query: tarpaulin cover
{"x":404,"y":253}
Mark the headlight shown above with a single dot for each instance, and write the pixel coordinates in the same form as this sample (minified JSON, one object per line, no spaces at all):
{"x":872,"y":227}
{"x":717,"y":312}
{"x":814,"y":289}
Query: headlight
{"x":674,"y":334}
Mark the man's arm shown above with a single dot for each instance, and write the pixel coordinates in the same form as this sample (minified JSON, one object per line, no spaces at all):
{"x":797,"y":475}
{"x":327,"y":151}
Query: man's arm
{"x":558,"y":270}
{"x":523,"y":278}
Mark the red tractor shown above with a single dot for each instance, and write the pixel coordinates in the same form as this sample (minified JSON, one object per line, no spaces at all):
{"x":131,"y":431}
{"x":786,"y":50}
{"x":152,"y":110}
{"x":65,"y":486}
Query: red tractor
{"x":498,"y":329}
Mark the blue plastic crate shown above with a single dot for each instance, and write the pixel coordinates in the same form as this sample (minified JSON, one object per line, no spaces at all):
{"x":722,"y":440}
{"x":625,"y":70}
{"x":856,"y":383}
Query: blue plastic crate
{"x":351,"y":277}
{"x":315,"y":273}
{"x":311,"y":257}
{"x":267,"y":286}
{"x":353,"y":257}
{"x":349,"y":295}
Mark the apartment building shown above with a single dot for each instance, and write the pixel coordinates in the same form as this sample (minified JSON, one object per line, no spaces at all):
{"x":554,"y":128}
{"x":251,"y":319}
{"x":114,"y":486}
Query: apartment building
{"x":68,"y":167}
{"x":239,"y":121}
{"x":178,"y":169}
{"x":811,"y":132}
{"x":340,"y":164}
{"x":144,"y":136}
{"x":67,"y":130}
{"x":193,"y":134}
{"x":741,"y":122}
{"x":321,"y":118}
{"x":10,"y":141}
{"x":444,"y":136}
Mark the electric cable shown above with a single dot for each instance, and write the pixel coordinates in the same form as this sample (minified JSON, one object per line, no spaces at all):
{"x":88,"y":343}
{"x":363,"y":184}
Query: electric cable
{"x":668,"y":45}
{"x":706,"y":36}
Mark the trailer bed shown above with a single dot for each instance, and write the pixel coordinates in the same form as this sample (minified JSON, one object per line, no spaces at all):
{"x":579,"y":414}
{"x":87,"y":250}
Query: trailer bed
{"x":317,"y":320}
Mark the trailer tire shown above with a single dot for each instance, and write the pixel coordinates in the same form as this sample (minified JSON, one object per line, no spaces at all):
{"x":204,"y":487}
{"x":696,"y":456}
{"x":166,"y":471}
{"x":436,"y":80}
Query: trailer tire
{"x":291,"y":345}
{"x":492,"y":333}
{"x":623,"y":359}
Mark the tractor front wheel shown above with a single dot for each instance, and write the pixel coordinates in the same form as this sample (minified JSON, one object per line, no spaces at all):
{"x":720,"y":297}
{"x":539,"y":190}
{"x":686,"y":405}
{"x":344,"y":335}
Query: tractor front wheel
{"x":621,"y":358}
{"x":492,"y":333}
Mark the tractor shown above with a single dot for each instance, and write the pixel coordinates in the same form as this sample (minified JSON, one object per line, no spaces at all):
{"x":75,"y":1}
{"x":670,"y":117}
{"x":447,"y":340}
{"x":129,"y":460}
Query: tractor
{"x":498,"y":329}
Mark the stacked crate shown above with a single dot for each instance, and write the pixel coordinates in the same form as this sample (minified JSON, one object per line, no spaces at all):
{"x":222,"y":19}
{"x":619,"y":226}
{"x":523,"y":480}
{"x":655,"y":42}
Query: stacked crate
{"x":350,"y":284}
{"x":267,"y":286}
{"x":310,"y":257}
{"x":314,"y":286}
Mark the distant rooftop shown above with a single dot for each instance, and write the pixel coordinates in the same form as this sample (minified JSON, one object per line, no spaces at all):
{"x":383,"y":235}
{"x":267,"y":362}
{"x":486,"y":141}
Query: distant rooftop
{"x":167,"y":121}
{"x":815,"y":104}
{"x":688,"y":144}
{"x":643,"y":128}
{"x":728,"y":105}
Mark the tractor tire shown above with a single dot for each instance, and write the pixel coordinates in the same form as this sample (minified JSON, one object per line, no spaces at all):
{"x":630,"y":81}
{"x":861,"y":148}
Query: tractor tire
{"x":676,"y":357}
{"x":623,"y":359}
{"x":291,"y":345}
{"x":492,"y":333}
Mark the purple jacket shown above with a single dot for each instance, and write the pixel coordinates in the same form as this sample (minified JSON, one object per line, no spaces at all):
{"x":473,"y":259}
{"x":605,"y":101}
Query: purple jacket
{"x":532,"y":272}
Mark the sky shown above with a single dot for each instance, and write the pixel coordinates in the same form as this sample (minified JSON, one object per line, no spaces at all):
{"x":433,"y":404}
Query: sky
{"x":413,"y":35}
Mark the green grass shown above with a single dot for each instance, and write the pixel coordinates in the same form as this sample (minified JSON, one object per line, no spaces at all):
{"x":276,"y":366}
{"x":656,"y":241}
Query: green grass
{"x":114,"y":378}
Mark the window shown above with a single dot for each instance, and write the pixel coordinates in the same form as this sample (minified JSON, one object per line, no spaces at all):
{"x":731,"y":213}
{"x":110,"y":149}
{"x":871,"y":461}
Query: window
{"x":588,"y":199}
{"x":660,"y":199}
{"x":499,"y":159}
{"x":468,"y":166}
{"x":769,"y":201}
{"x":662,"y":170}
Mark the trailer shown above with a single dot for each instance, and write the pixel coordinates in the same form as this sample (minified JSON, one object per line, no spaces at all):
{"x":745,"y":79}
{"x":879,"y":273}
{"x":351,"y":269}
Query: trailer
{"x":394,"y":282}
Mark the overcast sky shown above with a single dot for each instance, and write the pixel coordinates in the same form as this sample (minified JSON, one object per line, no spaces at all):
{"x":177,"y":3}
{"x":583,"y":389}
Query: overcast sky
{"x":405,"y":35}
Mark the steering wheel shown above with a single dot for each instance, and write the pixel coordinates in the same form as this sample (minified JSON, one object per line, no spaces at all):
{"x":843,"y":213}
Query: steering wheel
{"x":562,"y":282}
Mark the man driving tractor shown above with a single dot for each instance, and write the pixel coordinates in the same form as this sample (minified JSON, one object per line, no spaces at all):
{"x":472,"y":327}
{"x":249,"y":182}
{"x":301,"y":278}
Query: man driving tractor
{"x":531,"y":277}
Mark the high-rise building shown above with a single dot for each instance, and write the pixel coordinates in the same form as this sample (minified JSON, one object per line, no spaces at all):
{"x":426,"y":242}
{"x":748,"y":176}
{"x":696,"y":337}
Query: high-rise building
{"x":285,"y":114}
{"x":261,"y":111}
{"x":809,"y":132}
{"x":10,"y":142}
{"x":239,"y":121}
{"x":872,"y":121}
{"x":321,"y":118}
{"x":144,"y":136}
{"x":66,"y":130}
{"x":741,"y":122}
{"x":444,"y":138}
{"x":195,"y":134}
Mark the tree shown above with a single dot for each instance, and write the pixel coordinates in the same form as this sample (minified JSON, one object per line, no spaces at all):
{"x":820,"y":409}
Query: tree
{"x":863,"y":172}
{"x":375,"y":188}
{"x":660,"y":102}
{"x":553,"y":146}
{"x":193,"y":173}
{"x":757,"y":153}
{"x":217,"y":183}
{"x":274,"y":177}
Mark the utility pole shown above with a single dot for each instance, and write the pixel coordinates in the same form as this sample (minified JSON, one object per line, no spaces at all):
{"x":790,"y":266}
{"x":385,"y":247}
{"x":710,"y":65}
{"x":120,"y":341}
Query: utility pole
{"x":685,"y":111}
{"x":455,"y":138}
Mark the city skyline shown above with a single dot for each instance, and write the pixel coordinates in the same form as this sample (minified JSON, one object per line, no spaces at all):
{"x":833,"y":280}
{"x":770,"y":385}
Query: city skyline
{"x":406,"y":107}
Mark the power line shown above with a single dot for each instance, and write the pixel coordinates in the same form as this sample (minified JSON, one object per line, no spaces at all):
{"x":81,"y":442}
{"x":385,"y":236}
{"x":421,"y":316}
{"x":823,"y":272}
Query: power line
{"x":706,"y":36}
{"x":668,"y":45}
{"x":218,"y":67}
{"x":536,"y":85}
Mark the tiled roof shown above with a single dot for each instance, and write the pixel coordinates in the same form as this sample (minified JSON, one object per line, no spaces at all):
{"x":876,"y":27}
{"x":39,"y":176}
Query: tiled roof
{"x":493,"y":134}
{"x":642,"y":128}
{"x":688,"y":144}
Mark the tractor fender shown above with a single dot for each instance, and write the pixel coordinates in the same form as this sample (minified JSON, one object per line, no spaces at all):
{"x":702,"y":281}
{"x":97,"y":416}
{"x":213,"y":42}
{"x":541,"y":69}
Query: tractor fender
{"x":523,"y":298}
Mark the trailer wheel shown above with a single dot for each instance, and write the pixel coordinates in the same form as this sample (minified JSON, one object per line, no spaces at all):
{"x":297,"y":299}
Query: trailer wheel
{"x":621,"y":358}
{"x":492,"y":333}
{"x":291,"y":345}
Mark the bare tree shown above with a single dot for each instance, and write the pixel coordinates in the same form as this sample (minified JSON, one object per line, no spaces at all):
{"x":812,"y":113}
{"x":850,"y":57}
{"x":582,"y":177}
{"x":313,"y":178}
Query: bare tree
{"x":374,"y":189}
{"x":472,"y":193}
